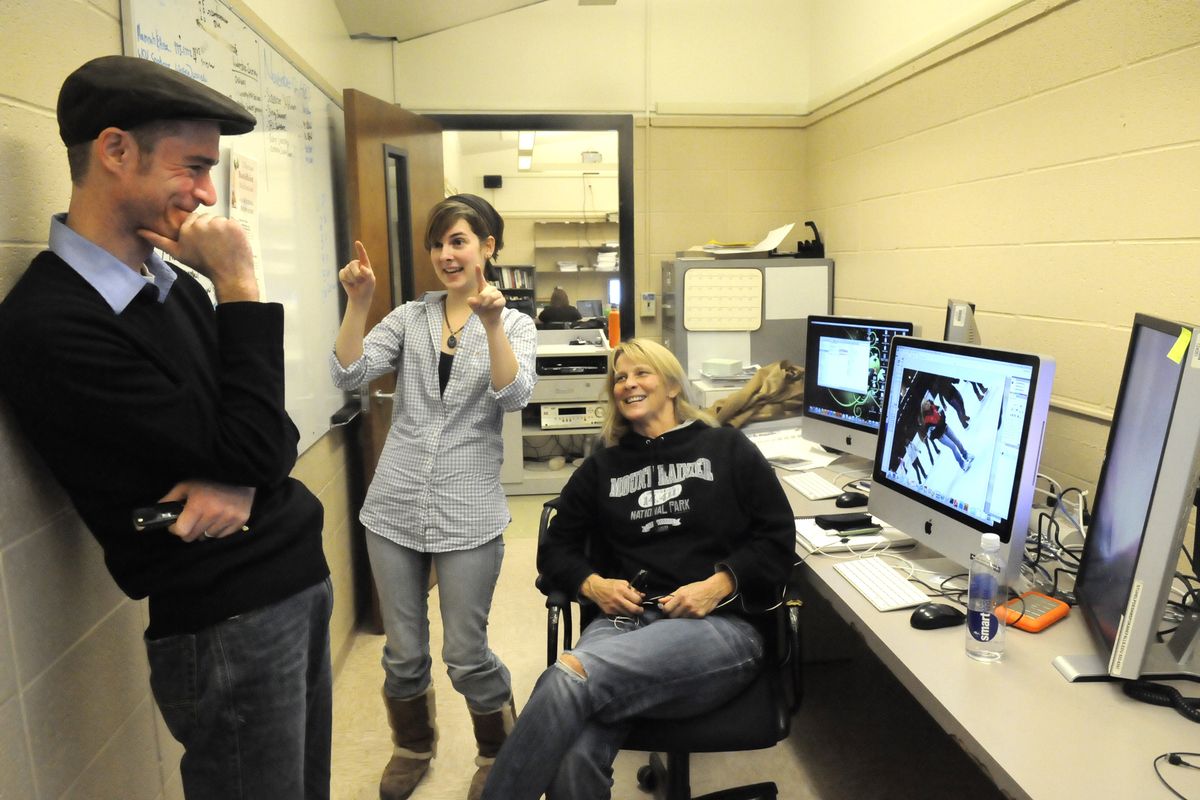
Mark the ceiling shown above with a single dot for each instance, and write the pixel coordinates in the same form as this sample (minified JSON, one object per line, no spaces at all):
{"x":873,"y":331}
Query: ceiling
{"x":411,"y":19}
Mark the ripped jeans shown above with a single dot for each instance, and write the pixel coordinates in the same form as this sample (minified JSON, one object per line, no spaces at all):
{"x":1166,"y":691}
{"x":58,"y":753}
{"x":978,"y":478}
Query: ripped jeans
{"x":569,"y":732}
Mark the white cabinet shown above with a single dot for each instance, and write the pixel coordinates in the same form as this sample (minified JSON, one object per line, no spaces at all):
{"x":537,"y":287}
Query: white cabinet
{"x":521,"y":476}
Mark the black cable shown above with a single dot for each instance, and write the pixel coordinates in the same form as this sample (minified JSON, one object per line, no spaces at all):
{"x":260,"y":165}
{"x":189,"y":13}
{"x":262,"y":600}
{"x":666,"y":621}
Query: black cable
{"x":1045,"y":573}
{"x":1022,"y":614}
{"x":1061,"y":594}
{"x":1177,"y":760}
{"x":1056,"y":528}
{"x":1161,"y":694}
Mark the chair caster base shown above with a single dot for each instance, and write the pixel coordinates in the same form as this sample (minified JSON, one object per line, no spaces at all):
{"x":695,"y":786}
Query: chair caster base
{"x":668,"y":780}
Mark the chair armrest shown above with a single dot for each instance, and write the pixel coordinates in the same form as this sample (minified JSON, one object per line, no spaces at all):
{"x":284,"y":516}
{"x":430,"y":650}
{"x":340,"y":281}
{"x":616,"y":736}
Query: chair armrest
{"x":793,"y":666}
{"x":558,"y":608}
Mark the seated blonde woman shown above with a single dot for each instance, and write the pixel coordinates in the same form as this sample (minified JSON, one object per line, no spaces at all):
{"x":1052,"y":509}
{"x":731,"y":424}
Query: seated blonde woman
{"x":697,"y":512}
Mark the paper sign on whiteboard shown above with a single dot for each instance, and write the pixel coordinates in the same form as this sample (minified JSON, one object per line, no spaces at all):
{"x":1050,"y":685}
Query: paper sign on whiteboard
{"x":243,"y":207}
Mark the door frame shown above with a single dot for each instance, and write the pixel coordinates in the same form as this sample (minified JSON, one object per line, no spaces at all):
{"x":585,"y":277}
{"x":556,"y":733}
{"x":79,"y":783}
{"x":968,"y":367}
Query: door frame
{"x":623,"y":125}
{"x":402,"y":250}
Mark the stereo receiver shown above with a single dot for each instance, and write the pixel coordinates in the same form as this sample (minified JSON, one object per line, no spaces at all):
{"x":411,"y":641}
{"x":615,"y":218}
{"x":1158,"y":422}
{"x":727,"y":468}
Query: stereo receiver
{"x":572,"y":415}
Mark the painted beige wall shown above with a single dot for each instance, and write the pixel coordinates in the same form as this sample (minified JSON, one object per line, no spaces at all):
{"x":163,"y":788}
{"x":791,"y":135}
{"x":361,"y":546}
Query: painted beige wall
{"x":631,"y":57}
{"x":1051,"y":175}
{"x":697,"y":179}
{"x":76,"y":716}
{"x":851,"y":42}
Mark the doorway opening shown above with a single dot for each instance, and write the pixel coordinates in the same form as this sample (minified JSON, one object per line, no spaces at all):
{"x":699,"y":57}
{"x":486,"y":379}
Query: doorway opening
{"x":564,"y":184}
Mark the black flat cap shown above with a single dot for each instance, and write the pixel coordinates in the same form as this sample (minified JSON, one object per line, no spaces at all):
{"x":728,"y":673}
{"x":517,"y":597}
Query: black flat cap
{"x":124,"y":92}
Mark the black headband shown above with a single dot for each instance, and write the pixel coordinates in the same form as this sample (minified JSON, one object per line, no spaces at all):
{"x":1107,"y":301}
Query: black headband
{"x":489,"y":215}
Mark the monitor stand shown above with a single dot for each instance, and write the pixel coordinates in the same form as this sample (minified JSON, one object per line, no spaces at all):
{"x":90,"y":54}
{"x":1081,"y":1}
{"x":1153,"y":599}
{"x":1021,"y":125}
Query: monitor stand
{"x":1178,"y":658}
{"x":850,"y":466}
{"x":1082,"y":669}
{"x":942,"y":569}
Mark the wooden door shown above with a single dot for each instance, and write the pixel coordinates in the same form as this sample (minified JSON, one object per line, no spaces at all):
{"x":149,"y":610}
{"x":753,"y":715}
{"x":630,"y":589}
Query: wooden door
{"x":376,"y":131}
{"x":387,"y":150}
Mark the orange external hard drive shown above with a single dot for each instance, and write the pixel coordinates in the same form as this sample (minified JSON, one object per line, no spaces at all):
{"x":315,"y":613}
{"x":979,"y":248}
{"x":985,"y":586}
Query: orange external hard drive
{"x":1041,"y":611}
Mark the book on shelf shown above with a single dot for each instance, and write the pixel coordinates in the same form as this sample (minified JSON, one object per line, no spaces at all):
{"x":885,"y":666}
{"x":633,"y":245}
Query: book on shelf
{"x":515,"y":277}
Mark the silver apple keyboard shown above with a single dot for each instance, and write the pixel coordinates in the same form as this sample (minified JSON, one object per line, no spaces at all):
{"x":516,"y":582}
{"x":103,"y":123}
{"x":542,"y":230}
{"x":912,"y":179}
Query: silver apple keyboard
{"x":812,"y":485}
{"x":887,"y":589}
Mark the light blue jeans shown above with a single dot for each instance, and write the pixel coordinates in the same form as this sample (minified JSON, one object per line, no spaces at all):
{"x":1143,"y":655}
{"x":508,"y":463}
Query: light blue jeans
{"x":466,"y":583}
{"x":570,"y":731}
{"x":250,"y":699}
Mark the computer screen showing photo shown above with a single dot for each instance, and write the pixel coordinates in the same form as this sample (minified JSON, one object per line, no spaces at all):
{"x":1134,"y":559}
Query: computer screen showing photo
{"x":959,"y":444}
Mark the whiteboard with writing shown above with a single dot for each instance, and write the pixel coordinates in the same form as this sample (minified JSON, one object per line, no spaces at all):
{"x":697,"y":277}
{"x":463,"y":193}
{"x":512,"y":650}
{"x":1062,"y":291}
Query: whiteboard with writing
{"x":297,"y":152}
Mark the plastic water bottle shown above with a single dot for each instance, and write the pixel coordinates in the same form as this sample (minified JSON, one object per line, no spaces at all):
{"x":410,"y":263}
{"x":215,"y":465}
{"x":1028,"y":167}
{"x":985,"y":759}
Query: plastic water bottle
{"x":985,"y":628}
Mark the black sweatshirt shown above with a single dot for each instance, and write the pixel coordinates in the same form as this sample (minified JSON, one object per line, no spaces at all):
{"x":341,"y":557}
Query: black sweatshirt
{"x":679,"y":506}
{"x":121,"y":407}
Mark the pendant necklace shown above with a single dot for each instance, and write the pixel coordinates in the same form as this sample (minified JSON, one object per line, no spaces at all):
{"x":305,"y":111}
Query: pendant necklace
{"x":452,"y":339}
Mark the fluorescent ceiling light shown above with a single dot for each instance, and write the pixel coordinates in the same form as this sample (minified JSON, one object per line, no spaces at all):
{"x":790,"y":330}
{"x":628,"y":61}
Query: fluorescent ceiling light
{"x":524,"y":162}
{"x":525,"y":141}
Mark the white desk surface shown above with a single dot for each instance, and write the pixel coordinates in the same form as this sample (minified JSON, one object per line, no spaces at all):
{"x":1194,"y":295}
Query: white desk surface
{"x":1033,"y":733}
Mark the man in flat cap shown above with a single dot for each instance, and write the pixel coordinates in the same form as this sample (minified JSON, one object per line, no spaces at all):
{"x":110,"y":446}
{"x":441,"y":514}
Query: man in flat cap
{"x":135,"y":390}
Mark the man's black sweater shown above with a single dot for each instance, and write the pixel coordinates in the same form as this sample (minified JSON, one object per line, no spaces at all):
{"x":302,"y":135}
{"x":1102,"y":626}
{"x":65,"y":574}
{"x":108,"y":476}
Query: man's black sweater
{"x":121,"y":407}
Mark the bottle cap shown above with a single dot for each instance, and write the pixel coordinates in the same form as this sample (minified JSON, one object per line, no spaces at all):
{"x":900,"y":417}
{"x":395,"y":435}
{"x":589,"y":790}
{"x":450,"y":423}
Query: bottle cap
{"x":989,"y":541}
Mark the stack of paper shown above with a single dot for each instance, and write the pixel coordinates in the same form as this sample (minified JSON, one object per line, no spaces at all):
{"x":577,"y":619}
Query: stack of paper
{"x":790,"y":450}
{"x":606,"y":262}
{"x":770,"y":242}
{"x":746,"y":374}
{"x":568,"y":266}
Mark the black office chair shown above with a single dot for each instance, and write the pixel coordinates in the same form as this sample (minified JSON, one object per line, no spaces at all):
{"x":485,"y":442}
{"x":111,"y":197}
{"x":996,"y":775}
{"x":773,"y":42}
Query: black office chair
{"x":757,"y":718}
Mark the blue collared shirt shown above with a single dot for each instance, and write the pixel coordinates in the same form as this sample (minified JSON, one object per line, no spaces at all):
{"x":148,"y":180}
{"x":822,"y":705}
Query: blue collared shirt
{"x":111,"y":278}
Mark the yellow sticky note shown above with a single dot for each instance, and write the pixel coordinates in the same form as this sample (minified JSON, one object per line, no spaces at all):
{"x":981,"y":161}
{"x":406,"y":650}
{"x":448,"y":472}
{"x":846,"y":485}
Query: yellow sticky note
{"x":1181,"y":345}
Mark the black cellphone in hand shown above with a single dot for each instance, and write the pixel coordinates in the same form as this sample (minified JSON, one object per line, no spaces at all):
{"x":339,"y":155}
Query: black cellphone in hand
{"x":843,"y":522}
{"x":639,"y":581}
{"x":157,"y":516}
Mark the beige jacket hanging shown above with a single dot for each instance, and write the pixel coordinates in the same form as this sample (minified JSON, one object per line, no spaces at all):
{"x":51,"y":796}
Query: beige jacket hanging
{"x":775,"y":391}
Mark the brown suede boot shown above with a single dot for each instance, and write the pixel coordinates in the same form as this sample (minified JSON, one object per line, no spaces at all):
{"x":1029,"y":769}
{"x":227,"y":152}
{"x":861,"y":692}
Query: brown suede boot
{"x":491,"y":730}
{"x":415,"y":737}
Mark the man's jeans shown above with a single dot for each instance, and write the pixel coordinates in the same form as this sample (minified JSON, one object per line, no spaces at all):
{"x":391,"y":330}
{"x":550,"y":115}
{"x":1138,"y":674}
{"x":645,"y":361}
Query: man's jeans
{"x":569,"y":732}
{"x":250,"y":699}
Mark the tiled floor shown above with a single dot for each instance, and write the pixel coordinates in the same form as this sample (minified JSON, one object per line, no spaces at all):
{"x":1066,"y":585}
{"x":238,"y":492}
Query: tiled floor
{"x":859,"y":734}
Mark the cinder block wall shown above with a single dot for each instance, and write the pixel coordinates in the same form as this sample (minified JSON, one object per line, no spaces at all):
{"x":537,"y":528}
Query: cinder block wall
{"x":723,"y":178}
{"x":76,"y":716}
{"x":1051,"y":175}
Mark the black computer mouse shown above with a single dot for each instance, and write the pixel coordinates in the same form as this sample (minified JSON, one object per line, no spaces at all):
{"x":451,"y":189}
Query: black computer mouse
{"x":930,"y":616}
{"x":850,"y":500}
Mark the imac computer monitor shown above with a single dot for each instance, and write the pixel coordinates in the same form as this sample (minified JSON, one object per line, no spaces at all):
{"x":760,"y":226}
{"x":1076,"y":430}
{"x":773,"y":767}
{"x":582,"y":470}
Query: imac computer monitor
{"x":959,"y":444}
{"x":845,"y":371}
{"x":590,"y":308}
{"x":1146,"y":490}
{"x":960,"y":323}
